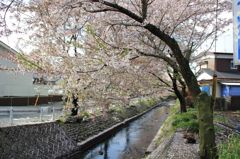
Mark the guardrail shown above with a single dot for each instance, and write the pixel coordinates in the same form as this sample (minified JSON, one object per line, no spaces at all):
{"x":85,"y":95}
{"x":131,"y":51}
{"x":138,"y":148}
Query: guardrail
{"x":42,"y":111}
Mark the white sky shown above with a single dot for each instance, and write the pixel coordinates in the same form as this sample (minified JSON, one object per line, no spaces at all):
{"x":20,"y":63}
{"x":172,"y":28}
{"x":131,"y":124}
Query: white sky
{"x":224,"y":42}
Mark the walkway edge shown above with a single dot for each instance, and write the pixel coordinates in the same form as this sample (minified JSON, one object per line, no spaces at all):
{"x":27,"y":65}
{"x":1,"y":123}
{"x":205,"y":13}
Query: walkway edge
{"x":152,"y":145}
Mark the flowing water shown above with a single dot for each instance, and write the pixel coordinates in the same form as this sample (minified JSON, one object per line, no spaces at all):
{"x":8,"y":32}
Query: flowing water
{"x":131,"y":141}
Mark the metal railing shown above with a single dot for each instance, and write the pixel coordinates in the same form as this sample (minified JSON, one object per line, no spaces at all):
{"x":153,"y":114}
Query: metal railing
{"x":41,"y":112}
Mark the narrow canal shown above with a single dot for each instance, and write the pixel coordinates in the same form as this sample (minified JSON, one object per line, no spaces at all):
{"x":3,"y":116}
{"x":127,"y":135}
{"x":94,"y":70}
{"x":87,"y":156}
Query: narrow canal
{"x":131,"y":141}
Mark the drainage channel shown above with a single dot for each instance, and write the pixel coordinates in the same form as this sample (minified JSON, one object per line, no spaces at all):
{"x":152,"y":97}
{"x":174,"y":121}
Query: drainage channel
{"x":131,"y":141}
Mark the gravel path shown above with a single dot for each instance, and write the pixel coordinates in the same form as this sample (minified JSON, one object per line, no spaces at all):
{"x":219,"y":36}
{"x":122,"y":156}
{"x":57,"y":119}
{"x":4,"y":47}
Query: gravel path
{"x":179,"y":149}
{"x":175,"y":146}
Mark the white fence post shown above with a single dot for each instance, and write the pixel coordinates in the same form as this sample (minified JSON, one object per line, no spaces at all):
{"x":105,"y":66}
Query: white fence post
{"x":11,"y":116}
{"x":53,"y":113}
{"x":41,"y":114}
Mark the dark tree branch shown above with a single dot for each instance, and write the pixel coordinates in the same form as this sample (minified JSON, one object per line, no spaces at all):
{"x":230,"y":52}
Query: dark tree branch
{"x":93,"y":70}
{"x":165,"y":58}
{"x":144,"y":9}
{"x":116,"y":7}
{"x":188,"y":52}
{"x":160,"y":79}
{"x":101,"y":10}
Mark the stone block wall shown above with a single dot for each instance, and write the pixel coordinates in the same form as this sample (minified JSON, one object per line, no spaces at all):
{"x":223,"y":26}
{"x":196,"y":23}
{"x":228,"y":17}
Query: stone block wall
{"x":80,"y":131}
{"x":41,"y":140}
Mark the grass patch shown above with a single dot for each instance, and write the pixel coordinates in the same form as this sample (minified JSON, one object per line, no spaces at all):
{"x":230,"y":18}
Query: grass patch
{"x":220,"y":118}
{"x":186,"y":120}
{"x":147,"y":102}
{"x":230,"y":149}
{"x":117,"y":108}
{"x":41,"y":121}
{"x":167,"y":128}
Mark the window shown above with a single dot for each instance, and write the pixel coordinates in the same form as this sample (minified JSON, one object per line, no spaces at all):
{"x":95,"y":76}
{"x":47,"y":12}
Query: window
{"x":206,"y":89}
{"x":232,"y":65}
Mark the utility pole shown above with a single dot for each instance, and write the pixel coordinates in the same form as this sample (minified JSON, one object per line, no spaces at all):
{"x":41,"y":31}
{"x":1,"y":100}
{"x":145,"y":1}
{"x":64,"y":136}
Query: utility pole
{"x":214,"y":88}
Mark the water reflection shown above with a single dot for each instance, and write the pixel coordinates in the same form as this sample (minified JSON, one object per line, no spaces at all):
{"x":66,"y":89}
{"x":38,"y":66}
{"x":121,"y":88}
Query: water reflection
{"x":131,"y":141}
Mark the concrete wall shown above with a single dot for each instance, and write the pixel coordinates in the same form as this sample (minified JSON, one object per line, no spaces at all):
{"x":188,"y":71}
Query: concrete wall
{"x":43,"y":140}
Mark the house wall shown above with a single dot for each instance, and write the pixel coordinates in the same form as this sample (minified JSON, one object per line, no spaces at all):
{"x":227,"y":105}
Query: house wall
{"x":218,"y":93}
{"x":211,"y":63}
{"x":218,"y":89}
{"x":223,"y":65}
{"x":7,"y":63}
{"x":208,"y":63}
{"x":16,"y":84}
{"x":11,"y":83}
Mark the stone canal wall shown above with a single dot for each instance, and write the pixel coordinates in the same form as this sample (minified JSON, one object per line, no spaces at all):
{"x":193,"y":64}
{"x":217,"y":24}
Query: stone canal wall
{"x":41,"y":140}
{"x":80,"y":131}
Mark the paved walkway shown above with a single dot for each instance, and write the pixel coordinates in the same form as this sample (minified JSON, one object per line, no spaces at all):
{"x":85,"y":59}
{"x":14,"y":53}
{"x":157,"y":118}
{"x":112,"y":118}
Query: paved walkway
{"x":29,"y":114}
{"x":175,"y":146}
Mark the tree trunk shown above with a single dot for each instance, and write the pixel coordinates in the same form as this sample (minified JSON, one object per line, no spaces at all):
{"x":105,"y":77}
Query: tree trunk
{"x":182,"y":103}
{"x":180,"y":96}
{"x":207,"y":134}
{"x":206,"y":128}
{"x":75,"y":109}
{"x":184,"y":107}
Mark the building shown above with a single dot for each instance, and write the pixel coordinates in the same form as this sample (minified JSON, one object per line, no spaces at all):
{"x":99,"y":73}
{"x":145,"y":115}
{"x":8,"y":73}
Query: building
{"x":12,"y":83}
{"x":228,"y":76}
{"x":18,"y":84}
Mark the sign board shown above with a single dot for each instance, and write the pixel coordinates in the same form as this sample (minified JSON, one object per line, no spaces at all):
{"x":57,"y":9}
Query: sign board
{"x":236,"y":32}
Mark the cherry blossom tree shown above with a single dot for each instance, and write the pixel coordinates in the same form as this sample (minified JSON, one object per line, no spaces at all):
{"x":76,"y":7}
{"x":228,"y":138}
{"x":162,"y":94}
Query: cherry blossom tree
{"x":115,"y":31}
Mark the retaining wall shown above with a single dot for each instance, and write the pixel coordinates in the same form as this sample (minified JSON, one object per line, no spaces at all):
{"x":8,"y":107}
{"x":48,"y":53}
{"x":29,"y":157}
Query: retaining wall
{"x":41,"y":140}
